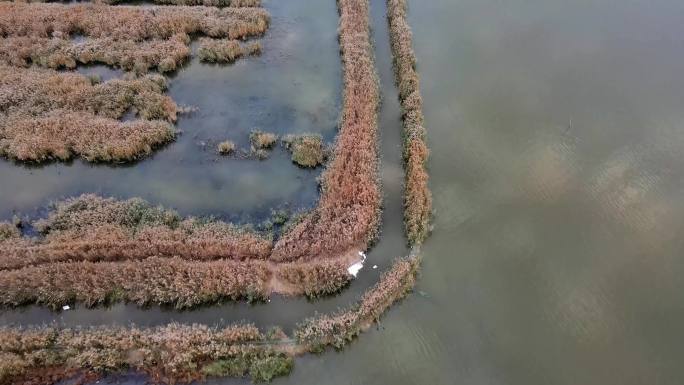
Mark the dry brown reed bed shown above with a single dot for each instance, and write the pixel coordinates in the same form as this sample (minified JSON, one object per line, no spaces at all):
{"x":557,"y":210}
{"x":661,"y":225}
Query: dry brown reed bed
{"x":417,"y":198}
{"x":129,"y":22}
{"x":225,"y":51}
{"x":91,"y":228}
{"x":182,"y":353}
{"x":347,"y":215}
{"x":170,"y":281}
{"x":339,"y":329}
{"x":96,"y":251}
{"x":48,"y":115}
{"x":140,"y":57}
{"x":168,"y":354}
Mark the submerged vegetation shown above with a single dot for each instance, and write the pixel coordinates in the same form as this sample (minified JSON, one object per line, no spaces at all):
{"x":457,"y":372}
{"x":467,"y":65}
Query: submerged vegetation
{"x":417,"y":199}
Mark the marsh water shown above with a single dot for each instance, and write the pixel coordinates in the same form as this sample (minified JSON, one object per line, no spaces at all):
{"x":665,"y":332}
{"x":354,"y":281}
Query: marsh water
{"x":557,"y":170}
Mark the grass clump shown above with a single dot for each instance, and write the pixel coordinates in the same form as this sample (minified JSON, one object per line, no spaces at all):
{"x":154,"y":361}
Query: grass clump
{"x":8,"y":231}
{"x":262,"y":140}
{"x":164,"y":55}
{"x":307,"y":150}
{"x":226,"y":147}
{"x":225,"y":51}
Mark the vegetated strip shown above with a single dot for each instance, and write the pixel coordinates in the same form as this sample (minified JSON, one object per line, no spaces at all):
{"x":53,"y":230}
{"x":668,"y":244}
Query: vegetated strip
{"x":98,"y":251}
{"x":225,"y":51}
{"x":179,"y":353}
{"x":48,"y":115}
{"x":43,"y":35}
{"x":164,"y":55}
{"x":347,"y":215}
{"x":129,"y":22}
{"x":417,"y":198}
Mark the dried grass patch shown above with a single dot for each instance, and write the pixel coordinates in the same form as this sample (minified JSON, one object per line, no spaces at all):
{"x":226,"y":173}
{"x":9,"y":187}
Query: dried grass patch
{"x":140,"y":57}
{"x":225,"y":51}
{"x":129,"y":22}
{"x":47,"y":115}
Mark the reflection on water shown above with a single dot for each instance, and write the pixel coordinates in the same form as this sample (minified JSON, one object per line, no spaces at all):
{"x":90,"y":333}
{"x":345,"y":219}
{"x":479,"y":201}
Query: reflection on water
{"x":285,"y":90}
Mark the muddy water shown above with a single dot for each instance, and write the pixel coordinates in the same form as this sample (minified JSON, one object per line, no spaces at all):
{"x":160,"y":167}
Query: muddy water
{"x":557,"y":168}
{"x":284,"y":90}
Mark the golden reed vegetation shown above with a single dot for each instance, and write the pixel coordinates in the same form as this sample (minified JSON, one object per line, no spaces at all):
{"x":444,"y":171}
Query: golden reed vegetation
{"x":225,"y":51}
{"x":44,"y":34}
{"x":48,"y":115}
{"x":417,"y":198}
{"x":184,"y":353}
{"x":129,"y":22}
{"x":347,"y":214}
{"x":167,"y":354}
{"x":131,"y":251}
{"x":140,"y":57}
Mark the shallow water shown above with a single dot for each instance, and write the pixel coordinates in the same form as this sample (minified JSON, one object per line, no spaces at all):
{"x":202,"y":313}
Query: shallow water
{"x":284,"y":90}
{"x":557,"y":169}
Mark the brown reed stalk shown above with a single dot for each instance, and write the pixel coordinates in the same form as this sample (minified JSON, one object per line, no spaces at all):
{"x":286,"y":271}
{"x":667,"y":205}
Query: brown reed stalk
{"x":417,"y":196}
{"x":47,"y":115}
